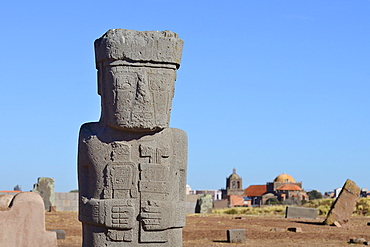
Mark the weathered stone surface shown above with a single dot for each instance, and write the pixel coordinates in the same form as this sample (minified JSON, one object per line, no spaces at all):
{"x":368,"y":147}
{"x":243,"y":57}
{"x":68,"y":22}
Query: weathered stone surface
{"x":131,"y":165}
{"x":342,"y":208}
{"x":191,"y":203}
{"x":136,"y":75}
{"x":300,"y":212}
{"x":236,"y":236}
{"x":204,"y":204}
{"x":61,"y":234}
{"x":5,"y":200}
{"x":45,"y":188}
{"x":23,"y":223}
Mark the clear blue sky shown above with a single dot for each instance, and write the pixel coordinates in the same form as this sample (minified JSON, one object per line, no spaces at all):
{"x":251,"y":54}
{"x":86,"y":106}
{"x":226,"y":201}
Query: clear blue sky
{"x":265,"y":87}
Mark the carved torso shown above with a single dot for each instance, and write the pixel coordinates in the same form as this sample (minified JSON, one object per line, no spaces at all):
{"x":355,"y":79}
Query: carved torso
{"x":132,"y":184}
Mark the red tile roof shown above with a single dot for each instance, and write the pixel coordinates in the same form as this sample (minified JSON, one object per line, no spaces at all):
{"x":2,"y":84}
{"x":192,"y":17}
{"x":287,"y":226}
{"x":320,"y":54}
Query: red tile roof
{"x":255,"y":190}
{"x":289,"y":187}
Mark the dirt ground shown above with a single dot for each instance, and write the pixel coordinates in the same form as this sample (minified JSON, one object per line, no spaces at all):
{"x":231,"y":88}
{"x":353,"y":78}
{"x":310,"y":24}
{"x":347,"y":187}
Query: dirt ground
{"x":210,"y":230}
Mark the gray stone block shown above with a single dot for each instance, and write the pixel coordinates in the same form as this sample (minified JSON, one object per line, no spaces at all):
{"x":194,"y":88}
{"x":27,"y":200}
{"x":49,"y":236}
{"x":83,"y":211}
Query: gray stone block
{"x":301,"y":212}
{"x":204,"y":204}
{"x":45,"y":188}
{"x":357,"y":241}
{"x":61,"y":234}
{"x":236,"y":236}
{"x":190,"y":207}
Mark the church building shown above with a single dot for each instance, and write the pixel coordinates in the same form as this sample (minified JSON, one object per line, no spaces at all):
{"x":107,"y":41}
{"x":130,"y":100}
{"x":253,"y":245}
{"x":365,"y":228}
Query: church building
{"x":284,"y":189}
{"x":234,"y":185}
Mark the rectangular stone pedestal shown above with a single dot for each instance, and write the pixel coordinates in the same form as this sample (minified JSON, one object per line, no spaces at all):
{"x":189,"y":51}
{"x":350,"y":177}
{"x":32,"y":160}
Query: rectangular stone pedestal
{"x":236,"y":236}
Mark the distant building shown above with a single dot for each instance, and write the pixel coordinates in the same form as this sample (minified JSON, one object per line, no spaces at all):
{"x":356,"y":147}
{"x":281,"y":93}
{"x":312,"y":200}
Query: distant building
{"x":234,"y":186}
{"x":284,"y":188}
{"x":216,"y":194}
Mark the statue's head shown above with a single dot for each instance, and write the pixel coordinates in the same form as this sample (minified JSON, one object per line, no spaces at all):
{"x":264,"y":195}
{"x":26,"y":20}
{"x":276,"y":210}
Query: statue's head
{"x":136,"y":76}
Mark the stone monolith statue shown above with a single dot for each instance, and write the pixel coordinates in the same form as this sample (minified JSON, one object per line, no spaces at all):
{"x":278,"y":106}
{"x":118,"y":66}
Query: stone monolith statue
{"x":131,"y":165}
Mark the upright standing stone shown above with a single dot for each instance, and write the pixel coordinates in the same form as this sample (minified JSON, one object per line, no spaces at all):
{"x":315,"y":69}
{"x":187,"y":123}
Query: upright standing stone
{"x":22,"y":222}
{"x":204,"y":204}
{"x":342,"y":208}
{"x":131,"y":165}
{"x":45,"y":188}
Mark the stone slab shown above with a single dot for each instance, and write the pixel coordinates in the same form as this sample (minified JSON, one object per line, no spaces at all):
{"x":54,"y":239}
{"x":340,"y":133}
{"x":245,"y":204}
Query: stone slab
{"x":22,"y":222}
{"x":45,"y":188}
{"x":236,"y":236}
{"x":343,"y":207}
{"x":301,"y":212}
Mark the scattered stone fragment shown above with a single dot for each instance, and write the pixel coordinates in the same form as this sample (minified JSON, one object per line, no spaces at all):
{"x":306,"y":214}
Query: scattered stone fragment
{"x":295,"y":229}
{"x":337,"y":224}
{"x":342,"y":208}
{"x":61,"y":234}
{"x":357,"y":241}
{"x":236,"y":236}
{"x":277,"y":229}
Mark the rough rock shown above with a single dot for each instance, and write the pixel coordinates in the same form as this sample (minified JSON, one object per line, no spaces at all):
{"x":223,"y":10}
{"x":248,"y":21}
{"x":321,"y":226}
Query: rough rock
{"x":342,"y":208}
{"x":45,"y":188}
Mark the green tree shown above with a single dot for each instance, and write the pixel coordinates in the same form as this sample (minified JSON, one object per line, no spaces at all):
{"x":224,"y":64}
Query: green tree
{"x":17,"y":187}
{"x":314,"y":194}
{"x":272,"y":201}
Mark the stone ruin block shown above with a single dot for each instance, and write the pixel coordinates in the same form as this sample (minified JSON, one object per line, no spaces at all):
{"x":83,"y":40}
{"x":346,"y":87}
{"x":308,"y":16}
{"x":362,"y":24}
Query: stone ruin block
{"x":204,"y":204}
{"x":342,"y":208}
{"x":45,"y":188}
{"x":236,"y":236}
{"x":300,"y":212}
{"x":61,"y":234}
{"x":22,"y":222}
{"x":131,"y":165}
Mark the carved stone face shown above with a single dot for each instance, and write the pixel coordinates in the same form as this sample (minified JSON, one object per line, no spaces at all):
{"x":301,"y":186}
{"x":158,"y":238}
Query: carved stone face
{"x":136,"y":98}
